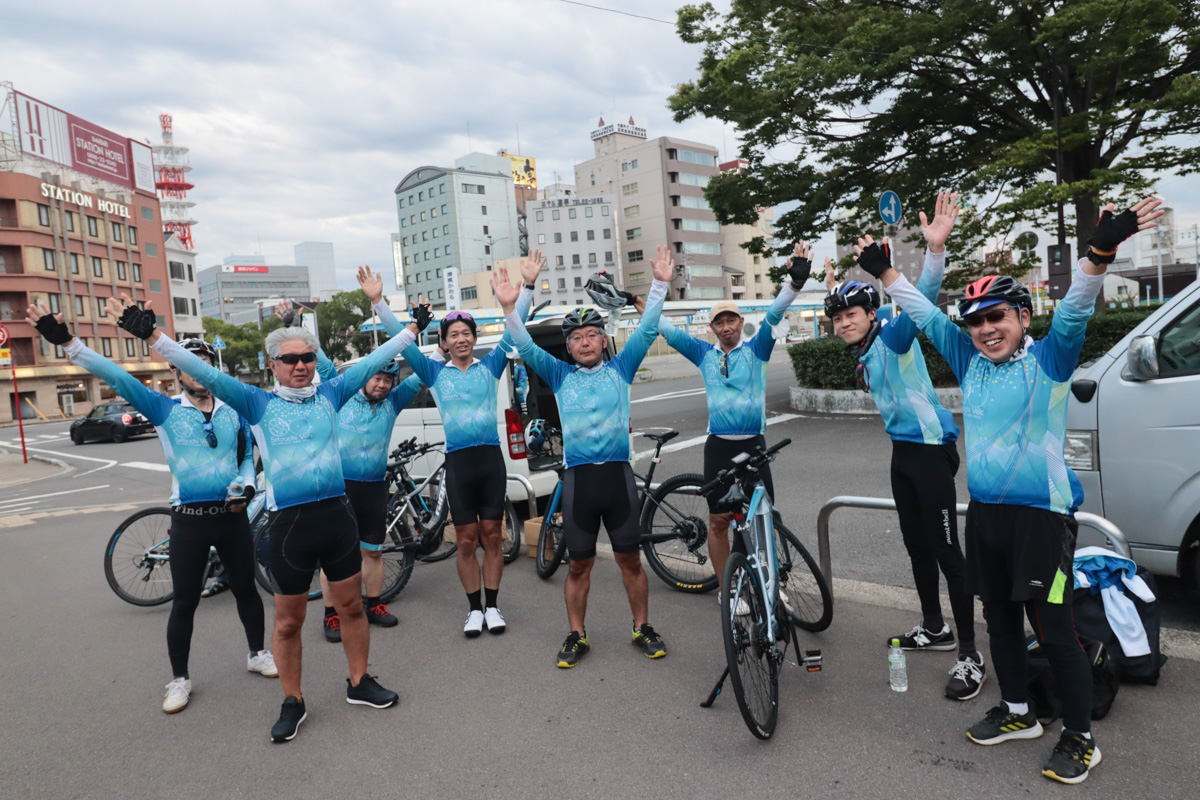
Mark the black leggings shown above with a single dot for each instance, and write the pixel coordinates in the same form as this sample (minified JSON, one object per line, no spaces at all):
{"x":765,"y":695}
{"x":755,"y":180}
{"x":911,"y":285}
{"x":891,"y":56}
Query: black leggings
{"x":1054,"y":626}
{"x":923,"y":487}
{"x":192,"y":534}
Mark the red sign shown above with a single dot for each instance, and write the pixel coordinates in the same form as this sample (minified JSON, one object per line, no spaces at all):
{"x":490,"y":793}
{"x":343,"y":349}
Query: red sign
{"x":3,"y":336}
{"x":99,"y":152}
{"x":245,"y":268}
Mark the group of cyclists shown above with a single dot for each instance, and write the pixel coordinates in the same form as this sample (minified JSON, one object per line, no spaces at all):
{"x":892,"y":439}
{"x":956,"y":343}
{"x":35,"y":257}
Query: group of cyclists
{"x":323,"y":447}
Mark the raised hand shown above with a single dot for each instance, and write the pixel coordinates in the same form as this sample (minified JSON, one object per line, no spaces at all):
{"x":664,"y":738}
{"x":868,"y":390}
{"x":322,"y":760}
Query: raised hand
{"x":945,"y":213}
{"x":799,"y":266}
{"x":52,"y":328}
{"x":872,"y":258}
{"x":663,"y":266}
{"x":1112,"y":229}
{"x":531,"y":267}
{"x":371,"y":283}
{"x":422,"y":313}
{"x":506,"y":293}
{"x":288,"y":314}
{"x":830,"y":274}
{"x":131,"y":319}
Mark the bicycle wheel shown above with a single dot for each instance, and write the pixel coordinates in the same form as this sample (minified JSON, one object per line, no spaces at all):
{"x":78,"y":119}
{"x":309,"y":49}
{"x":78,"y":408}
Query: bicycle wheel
{"x":262,"y":559}
{"x":137,"y":558}
{"x":511,"y":533}
{"x":677,"y":508}
{"x":753,"y":666}
{"x":552,"y":545}
{"x":803,"y":581}
{"x":399,"y":556}
{"x":429,"y":524}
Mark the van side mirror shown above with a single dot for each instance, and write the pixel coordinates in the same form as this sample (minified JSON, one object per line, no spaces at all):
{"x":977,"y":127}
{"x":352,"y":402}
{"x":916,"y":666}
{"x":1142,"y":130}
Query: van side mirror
{"x":1141,"y":362}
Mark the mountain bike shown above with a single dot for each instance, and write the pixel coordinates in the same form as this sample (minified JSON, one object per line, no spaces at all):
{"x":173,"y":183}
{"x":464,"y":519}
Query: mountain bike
{"x":757,"y":625}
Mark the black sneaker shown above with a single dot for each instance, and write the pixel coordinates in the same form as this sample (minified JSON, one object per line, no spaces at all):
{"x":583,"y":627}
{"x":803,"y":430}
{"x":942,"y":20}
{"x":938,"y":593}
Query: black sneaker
{"x":1072,"y":759}
{"x":333,"y":629}
{"x":920,"y":639}
{"x":650,"y":642}
{"x":966,"y":677}
{"x":290,"y":716}
{"x":573,"y":649}
{"x":378,"y":615}
{"x":370,"y":693}
{"x":1000,"y":725}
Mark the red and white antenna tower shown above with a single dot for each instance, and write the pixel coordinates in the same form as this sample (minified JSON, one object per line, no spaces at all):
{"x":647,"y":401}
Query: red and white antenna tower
{"x":173,"y":186}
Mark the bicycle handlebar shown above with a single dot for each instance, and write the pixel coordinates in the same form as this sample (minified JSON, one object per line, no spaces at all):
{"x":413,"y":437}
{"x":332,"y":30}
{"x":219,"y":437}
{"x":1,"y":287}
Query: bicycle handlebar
{"x":410,"y":449}
{"x":743,"y":469}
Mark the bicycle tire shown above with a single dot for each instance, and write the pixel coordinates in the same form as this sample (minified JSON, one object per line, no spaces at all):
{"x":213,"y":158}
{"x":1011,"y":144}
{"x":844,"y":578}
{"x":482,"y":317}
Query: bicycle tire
{"x":752,"y":671}
{"x":682,"y":563}
{"x":125,"y":558}
{"x":551,"y":538}
{"x":262,"y":560}
{"x":511,"y":533}
{"x":399,"y":557}
{"x":434,"y":525}
{"x":805,"y":584}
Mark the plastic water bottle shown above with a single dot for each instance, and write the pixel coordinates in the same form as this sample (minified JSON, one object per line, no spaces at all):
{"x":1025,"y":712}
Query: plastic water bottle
{"x":897,"y":668}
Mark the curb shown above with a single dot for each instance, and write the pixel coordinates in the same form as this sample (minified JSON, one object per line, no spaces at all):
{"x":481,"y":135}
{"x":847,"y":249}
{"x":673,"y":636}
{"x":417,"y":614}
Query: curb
{"x":852,"y":401}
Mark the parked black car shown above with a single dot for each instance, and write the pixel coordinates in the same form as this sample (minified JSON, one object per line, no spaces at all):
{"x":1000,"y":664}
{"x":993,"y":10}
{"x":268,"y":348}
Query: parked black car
{"x":114,"y":422}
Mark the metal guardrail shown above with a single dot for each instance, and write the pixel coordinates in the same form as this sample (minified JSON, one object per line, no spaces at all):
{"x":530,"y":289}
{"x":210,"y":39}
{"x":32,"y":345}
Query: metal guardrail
{"x":1110,"y":531}
{"x":530,"y":494}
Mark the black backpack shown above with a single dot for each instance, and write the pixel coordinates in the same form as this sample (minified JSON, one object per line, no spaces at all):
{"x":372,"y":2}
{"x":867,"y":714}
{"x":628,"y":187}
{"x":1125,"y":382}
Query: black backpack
{"x":1043,"y":696}
{"x":1091,"y":623}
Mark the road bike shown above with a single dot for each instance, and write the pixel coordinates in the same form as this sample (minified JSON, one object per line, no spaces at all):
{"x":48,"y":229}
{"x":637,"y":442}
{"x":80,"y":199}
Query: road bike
{"x":761,"y":605}
{"x":137,"y":558}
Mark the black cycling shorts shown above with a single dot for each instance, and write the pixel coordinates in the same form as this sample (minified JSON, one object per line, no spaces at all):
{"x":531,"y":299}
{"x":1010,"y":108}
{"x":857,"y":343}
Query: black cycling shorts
{"x":320,"y":534}
{"x":718,"y":455}
{"x":595,"y":493}
{"x":476,"y":484}
{"x":1019,"y":553}
{"x":369,"y":501}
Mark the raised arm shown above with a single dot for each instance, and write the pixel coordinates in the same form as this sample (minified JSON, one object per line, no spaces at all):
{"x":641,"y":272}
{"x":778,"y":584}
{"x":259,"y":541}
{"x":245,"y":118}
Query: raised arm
{"x":689,"y":347}
{"x":799,"y":269}
{"x":552,"y":370}
{"x":357,"y":376}
{"x":635,"y":349}
{"x":403,"y":394}
{"x":248,"y":401}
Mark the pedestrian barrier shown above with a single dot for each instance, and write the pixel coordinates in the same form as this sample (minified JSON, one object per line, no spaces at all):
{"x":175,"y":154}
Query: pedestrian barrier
{"x":1111,"y":532}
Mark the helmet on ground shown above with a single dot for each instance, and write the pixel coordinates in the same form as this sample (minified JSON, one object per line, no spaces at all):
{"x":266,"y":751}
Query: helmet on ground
{"x":991,"y":290}
{"x":604,"y":292}
{"x":199,"y":347}
{"x":851,"y":293}
{"x":457,"y":316}
{"x":582,"y":317}
{"x":535,"y":435}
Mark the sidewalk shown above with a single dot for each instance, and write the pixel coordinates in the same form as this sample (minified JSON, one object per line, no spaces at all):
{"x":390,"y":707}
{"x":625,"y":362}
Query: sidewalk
{"x":14,"y":471}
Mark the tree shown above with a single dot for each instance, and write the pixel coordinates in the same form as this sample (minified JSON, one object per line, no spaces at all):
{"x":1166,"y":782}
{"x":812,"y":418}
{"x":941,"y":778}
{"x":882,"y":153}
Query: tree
{"x":338,"y":324}
{"x":242,"y":343}
{"x":921,"y":95}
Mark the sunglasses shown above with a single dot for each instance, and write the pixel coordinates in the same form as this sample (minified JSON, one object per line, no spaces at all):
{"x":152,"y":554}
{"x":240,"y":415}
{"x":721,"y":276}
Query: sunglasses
{"x":994,"y":316}
{"x":863,"y":376}
{"x":458,"y":315}
{"x":209,"y":434}
{"x":723,"y":364}
{"x":292,"y":359}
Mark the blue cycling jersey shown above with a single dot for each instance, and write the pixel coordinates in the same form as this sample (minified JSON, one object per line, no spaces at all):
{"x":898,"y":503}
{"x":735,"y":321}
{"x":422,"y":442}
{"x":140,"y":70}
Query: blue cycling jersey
{"x":734,"y":382}
{"x":896,"y":374}
{"x":365,"y":431}
{"x":593,"y":403}
{"x":200,"y":473}
{"x":1015,"y":413}
{"x":297,"y":437}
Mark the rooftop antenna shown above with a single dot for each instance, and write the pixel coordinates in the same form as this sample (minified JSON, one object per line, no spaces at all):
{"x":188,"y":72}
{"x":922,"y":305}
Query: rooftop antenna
{"x":470,"y":147}
{"x":518,"y":137}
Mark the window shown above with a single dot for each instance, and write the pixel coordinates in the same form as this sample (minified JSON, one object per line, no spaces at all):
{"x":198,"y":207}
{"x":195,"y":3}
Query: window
{"x":540,"y":216}
{"x":437,"y":251}
{"x":421,"y":195}
{"x":558,"y":238}
{"x":445,"y":230}
{"x":608,"y":256}
{"x":48,"y":260}
{"x":578,"y":282}
{"x":691,"y":179}
{"x":412,"y":218}
{"x":93,"y":227}
{"x":422,"y":216}
{"x":101,"y":309}
{"x":629,"y":189}
{"x":193,"y":303}
{"x":1178,"y":352}
{"x":116,"y":229}
{"x":97,"y":267}
{"x":401,"y":202}
{"x":435,"y":233}
{"x":176,"y":270}
{"x":562,"y":284}
{"x":487,"y":249}
{"x":439,"y":273}
{"x":121,"y":271}
{"x":43,"y":215}
{"x":572,"y":213}
{"x":608,"y":233}
{"x":558,"y":261}
{"x":633,"y":255}
{"x":403,"y":222}
{"x":137,"y":273}
{"x":541,"y":238}
{"x":575,"y":259}
{"x":593,"y":179}
{"x":634,"y":162}
{"x":129,"y":348}
{"x":707,"y":226}
{"x":152,"y":250}
{"x":624,"y":166}
{"x":78,"y":306}
{"x":556,"y":214}
{"x":106,"y":347}
{"x":545,"y":284}
{"x":468,"y":293}
{"x":637,"y":277}
{"x":180,"y":303}
{"x":701,"y":248}
{"x":447,"y":249}
{"x":633,"y":233}
{"x":55,"y":308}
{"x":433,"y":212}
{"x":604,"y":211}
{"x":191,"y":277}
{"x":425,"y":255}
{"x":147,"y":214}
{"x":591,"y":258}
{"x":574,"y":236}
{"x":692,"y":157}
{"x":483,"y":210}
{"x":587,"y":211}
{"x":155,"y":286}
{"x":69,"y":216}
{"x":472,"y":188}
{"x":443,"y":208}
{"x":442,"y":190}
{"x":75,"y":263}
{"x":632,"y":211}
{"x":133,"y":236}
{"x":706,"y":271}
{"x":591,"y":236}
{"x":424,"y":236}
{"x":707,"y":293}
{"x":485,"y":230}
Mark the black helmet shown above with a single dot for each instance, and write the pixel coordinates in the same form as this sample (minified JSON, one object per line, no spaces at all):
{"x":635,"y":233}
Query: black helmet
{"x":604,"y":292}
{"x":851,"y":293}
{"x":200,"y":347}
{"x":993,"y":289}
{"x":582,"y":317}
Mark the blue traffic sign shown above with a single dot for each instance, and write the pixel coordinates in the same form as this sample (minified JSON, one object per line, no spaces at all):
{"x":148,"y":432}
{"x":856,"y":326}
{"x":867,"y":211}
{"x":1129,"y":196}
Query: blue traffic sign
{"x":218,"y":343}
{"x":889,"y":207}
{"x":262,"y":361}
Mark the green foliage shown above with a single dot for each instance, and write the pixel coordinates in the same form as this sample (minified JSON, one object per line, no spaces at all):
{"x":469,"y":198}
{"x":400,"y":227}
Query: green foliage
{"x":836,"y":102}
{"x":243,"y":343}
{"x":826,"y":363}
{"x":338,"y":322}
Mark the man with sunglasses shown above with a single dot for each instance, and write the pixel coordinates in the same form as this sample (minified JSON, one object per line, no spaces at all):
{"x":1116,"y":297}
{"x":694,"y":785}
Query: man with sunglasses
{"x":208,"y":449}
{"x":925,"y":459}
{"x":1020,"y":530}
{"x":593,"y":404}
{"x":312,"y":524}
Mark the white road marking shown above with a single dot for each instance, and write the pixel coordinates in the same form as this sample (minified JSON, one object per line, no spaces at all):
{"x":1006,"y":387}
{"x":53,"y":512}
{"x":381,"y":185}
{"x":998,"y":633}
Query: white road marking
{"x":146,"y":465}
{"x":670,"y":395}
{"x":52,"y":494}
{"x":104,"y":462}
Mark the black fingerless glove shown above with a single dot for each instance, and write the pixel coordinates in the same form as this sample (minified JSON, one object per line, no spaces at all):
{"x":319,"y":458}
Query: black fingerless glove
{"x":137,"y":321}
{"x":630,"y":298}
{"x":798,"y":270}
{"x":422,"y":315}
{"x":1110,"y":231}
{"x":291,"y":319}
{"x":874,"y":260}
{"x":53,"y":330}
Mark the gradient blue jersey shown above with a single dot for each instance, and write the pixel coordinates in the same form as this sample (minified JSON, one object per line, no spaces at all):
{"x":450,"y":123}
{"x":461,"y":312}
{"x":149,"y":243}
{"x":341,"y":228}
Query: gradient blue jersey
{"x":200,"y":473}
{"x":297,"y":438}
{"x":735,"y":383}
{"x":1015,"y":413}
{"x":898,"y":379}
{"x":365,"y":431}
{"x":593,"y":403}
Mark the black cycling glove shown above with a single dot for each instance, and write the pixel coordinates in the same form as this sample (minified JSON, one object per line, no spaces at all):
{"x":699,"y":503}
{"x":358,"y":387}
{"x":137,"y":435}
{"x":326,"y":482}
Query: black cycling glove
{"x":53,"y":330}
{"x":630,"y":298}
{"x":291,"y":319}
{"x":875,"y":260}
{"x":422,"y":315}
{"x":137,"y":321}
{"x":1110,"y":231}
{"x":798,"y":269}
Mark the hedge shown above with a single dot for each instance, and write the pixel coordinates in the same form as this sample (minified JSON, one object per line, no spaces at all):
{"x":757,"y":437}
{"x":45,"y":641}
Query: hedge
{"x":826,"y":363}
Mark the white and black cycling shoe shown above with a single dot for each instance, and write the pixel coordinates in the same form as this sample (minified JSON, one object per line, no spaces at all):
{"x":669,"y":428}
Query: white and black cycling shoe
{"x":474,"y":624}
{"x":494,"y":621}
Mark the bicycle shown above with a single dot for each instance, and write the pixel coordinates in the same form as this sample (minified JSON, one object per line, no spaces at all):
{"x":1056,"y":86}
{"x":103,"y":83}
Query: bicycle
{"x":756,"y":625}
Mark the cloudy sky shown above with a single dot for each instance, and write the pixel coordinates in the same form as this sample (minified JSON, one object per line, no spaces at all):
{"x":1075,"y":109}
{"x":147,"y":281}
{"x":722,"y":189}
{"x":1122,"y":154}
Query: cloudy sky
{"x":303,"y":116}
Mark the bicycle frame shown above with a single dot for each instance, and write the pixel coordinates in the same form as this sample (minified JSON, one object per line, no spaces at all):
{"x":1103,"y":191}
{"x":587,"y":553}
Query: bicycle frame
{"x":439,"y":506}
{"x":757,"y":529}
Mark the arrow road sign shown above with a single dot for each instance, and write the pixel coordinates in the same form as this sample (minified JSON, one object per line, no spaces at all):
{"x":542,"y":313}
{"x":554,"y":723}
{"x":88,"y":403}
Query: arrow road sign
{"x":889,"y":207}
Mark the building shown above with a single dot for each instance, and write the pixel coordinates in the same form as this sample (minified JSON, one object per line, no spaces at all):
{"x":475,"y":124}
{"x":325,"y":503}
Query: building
{"x":79,"y":223}
{"x":322,"y":273}
{"x":658,"y":185}
{"x":230,"y":291}
{"x":459,"y":219}
{"x":576,"y":235}
{"x":185,"y":291}
{"x":749,"y":277}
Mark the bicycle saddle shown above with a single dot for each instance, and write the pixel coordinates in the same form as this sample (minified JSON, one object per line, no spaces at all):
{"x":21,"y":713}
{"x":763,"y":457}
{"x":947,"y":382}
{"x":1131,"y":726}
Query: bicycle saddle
{"x":662,"y":438}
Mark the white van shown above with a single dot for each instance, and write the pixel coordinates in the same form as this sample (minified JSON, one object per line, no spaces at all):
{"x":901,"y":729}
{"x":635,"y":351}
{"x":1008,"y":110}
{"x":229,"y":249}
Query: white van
{"x":1133,"y":437}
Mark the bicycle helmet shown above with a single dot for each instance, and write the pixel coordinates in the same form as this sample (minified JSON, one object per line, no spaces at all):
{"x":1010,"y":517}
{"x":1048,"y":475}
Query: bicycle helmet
{"x":456,"y":316}
{"x":851,"y":293}
{"x":993,"y":289}
{"x":535,"y":435}
{"x":391,"y":368}
{"x":582,"y":317}
{"x":199,"y":347}
{"x":604,"y":292}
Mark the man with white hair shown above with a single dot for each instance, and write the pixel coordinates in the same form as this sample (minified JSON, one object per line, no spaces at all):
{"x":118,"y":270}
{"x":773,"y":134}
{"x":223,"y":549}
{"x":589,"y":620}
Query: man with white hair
{"x":311,"y":524}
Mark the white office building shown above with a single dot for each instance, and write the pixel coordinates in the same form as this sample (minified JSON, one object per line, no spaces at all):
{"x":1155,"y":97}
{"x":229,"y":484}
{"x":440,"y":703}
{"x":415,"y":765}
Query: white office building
{"x":185,"y":291}
{"x":577,"y":236}
{"x":322,"y":273}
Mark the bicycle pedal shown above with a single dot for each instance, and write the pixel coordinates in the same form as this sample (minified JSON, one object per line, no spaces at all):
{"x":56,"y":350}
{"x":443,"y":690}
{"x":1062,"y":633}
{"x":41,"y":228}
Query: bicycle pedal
{"x":812,"y":660}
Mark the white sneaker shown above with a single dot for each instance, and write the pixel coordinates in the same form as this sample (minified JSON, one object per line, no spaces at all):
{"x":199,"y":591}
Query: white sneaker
{"x":263,"y":663}
{"x":179,"y":692}
{"x":494,"y":620}
{"x":743,"y":608}
{"x":474,"y":624}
